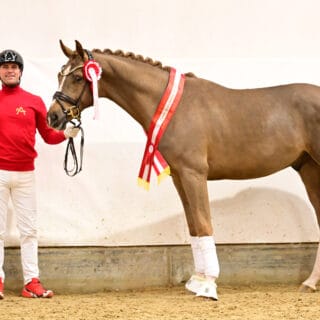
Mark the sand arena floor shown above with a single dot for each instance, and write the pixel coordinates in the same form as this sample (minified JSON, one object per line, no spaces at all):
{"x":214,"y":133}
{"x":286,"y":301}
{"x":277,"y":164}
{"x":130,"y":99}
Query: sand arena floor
{"x":247,"y":302}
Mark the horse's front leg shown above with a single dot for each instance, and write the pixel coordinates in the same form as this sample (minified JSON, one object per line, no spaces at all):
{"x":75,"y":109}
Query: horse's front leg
{"x":192,"y":188}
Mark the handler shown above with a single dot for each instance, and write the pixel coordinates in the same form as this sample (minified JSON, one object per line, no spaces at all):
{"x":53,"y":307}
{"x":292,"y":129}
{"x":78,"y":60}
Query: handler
{"x":21,"y":113}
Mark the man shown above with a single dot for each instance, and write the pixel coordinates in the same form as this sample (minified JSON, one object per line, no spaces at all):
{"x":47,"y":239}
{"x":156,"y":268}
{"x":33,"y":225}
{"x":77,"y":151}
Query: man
{"x":21,"y":113}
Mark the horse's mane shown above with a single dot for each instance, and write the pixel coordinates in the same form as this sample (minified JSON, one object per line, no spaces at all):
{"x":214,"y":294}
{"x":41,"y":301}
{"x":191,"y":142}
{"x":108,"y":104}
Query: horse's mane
{"x":140,"y":58}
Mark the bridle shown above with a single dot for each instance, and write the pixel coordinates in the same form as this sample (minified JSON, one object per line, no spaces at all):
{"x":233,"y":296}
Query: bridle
{"x":75,"y":113}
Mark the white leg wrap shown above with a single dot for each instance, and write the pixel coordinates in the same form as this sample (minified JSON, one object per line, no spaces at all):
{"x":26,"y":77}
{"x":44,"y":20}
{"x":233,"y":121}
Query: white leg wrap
{"x":210,"y":258}
{"x":197,"y":255}
{"x":315,"y":274}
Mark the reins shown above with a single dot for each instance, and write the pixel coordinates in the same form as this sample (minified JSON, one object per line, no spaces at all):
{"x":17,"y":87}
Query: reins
{"x":75,"y":113}
{"x":77,"y":166}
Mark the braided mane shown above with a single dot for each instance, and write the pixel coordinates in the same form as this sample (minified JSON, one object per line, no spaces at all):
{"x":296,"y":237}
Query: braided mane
{"x":140,"y":58}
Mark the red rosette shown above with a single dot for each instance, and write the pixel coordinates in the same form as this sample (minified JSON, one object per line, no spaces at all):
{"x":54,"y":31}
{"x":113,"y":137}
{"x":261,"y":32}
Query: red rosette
{"x":92,"y":65}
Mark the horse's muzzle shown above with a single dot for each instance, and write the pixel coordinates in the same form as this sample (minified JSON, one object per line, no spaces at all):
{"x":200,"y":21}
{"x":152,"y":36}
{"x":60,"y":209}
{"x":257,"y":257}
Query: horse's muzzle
{"x":56,"y":118}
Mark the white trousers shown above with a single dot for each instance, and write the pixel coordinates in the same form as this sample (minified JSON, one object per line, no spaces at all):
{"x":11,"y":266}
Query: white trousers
{"x":20,"y":186}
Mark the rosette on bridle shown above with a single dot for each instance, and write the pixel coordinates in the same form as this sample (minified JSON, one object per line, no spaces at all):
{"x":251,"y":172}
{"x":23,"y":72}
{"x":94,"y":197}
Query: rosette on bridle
{"x":92,"y":72}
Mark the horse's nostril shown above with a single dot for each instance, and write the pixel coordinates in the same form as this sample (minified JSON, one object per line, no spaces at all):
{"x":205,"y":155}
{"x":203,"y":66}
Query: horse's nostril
{"x":52,"y":118}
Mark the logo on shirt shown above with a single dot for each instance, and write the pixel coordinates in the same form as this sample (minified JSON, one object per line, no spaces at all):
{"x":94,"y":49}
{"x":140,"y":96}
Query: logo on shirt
{"x":20,"y":110}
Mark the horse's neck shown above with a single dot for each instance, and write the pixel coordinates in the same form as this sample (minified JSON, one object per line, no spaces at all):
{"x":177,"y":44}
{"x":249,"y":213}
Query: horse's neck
{"x":135,"y":86}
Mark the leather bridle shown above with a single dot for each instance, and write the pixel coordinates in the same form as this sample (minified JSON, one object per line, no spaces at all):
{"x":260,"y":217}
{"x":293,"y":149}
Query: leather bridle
{"x":74,"y":111}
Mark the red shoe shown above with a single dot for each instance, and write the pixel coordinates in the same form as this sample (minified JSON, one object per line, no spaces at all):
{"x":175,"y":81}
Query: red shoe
{"x":34,"y":289}
{"x":1,"y":289}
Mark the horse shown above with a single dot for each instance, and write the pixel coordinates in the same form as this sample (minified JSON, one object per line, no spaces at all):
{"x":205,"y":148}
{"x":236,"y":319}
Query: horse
{"x":215,"y":133}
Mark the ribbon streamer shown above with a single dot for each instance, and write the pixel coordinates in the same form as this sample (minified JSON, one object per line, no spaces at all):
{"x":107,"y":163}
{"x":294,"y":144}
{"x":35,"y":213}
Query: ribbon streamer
{"x":92,"y":72}
{"x":95,"y":93}
{"x":152,"y":158}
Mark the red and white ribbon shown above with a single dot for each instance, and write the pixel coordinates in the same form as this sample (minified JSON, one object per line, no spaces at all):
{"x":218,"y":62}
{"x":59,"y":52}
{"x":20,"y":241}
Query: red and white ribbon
{"x":162,"y":117}
{"x":92,"y":72}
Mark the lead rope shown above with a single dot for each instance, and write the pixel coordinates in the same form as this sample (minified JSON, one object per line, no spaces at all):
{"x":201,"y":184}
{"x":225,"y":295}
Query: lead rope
{"x":77,"y":166}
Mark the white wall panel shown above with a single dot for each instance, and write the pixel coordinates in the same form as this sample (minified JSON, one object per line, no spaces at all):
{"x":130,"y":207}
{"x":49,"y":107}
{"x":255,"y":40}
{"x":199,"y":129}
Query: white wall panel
{"x":240,"y":44}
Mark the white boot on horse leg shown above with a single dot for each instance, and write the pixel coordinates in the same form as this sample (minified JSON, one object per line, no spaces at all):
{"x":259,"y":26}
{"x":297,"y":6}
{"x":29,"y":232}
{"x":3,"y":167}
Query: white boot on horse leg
{"x":206,"y":266}
{"x":310,"y":284}
{"x":211,"y":268}
{"x":196,"y":280}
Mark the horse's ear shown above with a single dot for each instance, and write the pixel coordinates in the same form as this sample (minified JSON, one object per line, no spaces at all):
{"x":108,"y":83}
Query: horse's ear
{"x":67,"y":51}
{"x":79,"y":49}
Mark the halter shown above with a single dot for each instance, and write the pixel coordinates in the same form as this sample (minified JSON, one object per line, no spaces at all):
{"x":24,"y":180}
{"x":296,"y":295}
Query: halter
{"x":75,"y":113}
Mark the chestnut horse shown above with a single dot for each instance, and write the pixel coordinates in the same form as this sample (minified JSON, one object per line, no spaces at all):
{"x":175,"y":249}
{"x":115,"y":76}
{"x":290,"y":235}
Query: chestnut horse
{"x":215,"y":133}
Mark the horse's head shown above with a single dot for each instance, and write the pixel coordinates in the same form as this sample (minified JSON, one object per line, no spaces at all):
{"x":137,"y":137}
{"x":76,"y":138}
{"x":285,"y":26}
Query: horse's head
{"x":74,"y":93}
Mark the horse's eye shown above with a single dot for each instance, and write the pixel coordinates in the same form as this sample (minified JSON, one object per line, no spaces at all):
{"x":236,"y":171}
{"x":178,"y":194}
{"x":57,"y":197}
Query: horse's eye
{"x":78,"y":78}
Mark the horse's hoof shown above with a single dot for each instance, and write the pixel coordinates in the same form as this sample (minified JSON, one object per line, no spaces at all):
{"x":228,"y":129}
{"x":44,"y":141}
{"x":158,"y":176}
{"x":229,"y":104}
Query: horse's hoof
{"x":195,"y":283}
{"x":306,"y":289}
{"x":208,"y":290}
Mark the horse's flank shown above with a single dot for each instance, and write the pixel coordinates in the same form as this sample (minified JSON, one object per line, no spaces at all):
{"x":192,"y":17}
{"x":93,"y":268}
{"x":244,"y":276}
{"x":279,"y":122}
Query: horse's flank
{"x":241,"y":134}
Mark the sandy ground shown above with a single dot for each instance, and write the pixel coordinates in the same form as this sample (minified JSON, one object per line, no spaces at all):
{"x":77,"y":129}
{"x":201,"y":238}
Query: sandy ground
{"x":254,"y":302}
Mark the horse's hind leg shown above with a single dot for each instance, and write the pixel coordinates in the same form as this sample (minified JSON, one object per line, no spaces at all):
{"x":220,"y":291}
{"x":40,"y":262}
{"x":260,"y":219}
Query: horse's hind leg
{"x":192,"y":189}
{"x":310,"y":175}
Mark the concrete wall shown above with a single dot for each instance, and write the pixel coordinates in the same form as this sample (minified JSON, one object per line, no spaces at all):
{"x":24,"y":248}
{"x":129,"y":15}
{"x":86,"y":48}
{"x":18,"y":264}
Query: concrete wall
{"x":96,"y":269}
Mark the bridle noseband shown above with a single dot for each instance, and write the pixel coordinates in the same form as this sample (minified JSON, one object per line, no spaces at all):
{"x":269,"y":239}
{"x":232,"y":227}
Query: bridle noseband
{"x":74,"y":111}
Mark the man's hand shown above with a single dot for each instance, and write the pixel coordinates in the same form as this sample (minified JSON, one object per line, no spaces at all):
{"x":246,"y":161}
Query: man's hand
{"x":71,"y":132}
